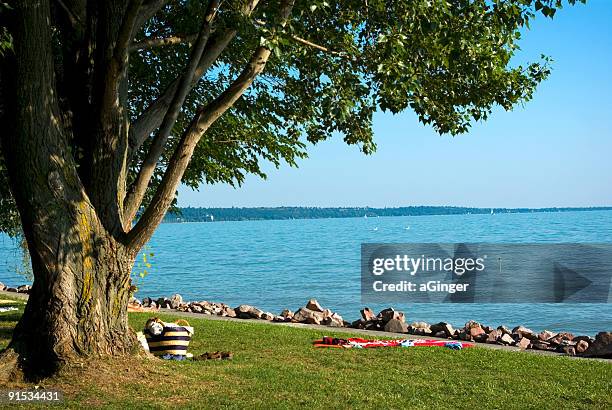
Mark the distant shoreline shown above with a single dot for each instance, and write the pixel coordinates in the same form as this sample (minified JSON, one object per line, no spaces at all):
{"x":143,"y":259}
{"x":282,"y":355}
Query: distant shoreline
{"x":190,"y":214}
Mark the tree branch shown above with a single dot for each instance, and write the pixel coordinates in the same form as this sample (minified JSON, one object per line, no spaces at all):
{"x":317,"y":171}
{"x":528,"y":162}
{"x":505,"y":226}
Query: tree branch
{"x":151,"y":118}
{"x":202,"y":121}
{"x":163,"y":41}
{"x":138,"y":189}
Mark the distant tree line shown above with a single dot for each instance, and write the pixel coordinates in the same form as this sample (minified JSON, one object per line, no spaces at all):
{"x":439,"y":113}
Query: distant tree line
{"x":190,"y":214}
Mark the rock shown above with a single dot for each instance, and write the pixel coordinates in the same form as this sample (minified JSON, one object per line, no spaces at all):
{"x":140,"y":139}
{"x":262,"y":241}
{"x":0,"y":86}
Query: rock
{"x":24,"y":289}
{"x":175,"y":301}
{"x":476,"y":331}
{"x":146,"y":302}
{"x":582,"y":346}
{"x":419,"y":331}
{"x":569,"y":350}
{"x":367,"y":314}
{"x":9,"y":289}
{"x":389,"y":314}
{"x":374,"y":325}
{"x":504,"y":329}
{"x":248,"y":312}
{"x":522,"y":331}
{"x":2,"y":286}
{"x":524,"y":343}
{"x":306,"y":315}
{"x":335,"y":320}
{"x":546,"y":335}
{"x":470,"y":324}
{"x":314,"y":305}
{"x":133,"y":301}
{"x":540,"y":345}
{"x":396,"y":326}
{"x":562,"y":338}
{"x":228,"y":312}
{"x":506,"y":339}
{"x":267,"y":316}
{"x":494,"y":336}
{"x":196,"y":308}
{"x":358,"y":324}
{"x":601,"y":346}
{"x":420,"y":325}
{"x":584,"y":338}
{"x":441,"y":334}
{"x":287,"y":314}
{"x":153,"y":305}
{"x":443,"y":327}
{"x":463,"y":335}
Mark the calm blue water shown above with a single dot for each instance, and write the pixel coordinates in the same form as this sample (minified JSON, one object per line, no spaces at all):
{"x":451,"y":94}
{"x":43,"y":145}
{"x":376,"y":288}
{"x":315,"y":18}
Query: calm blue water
{"x":281,"y":264}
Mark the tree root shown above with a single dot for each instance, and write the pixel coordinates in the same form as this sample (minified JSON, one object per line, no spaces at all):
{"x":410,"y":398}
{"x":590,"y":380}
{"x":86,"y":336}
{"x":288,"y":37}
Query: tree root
{"x":10,"y":371}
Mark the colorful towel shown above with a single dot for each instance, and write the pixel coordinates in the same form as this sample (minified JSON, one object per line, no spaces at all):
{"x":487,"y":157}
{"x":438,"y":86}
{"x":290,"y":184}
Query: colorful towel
{"x":356,"y":342}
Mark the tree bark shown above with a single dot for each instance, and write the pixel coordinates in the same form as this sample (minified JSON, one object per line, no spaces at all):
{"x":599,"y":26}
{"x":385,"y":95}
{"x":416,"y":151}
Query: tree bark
{"x":78,"y":304}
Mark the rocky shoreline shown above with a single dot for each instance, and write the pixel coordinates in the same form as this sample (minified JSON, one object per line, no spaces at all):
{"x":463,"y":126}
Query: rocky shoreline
{"x":390,"y":320}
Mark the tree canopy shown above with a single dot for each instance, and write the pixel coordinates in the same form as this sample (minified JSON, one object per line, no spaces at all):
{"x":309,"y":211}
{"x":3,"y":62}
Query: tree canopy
{"x":332,"y":66}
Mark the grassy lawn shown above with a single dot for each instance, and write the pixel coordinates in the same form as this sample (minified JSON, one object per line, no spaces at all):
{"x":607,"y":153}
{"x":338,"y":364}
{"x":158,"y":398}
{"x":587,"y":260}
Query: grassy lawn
{"x":276,"y":366}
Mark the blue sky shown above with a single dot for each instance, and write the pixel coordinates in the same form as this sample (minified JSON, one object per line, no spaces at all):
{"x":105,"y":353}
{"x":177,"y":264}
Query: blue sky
{"x":554,"y":151}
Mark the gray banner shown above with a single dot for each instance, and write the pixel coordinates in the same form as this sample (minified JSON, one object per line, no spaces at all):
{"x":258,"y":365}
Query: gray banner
{"x":486,"y":273}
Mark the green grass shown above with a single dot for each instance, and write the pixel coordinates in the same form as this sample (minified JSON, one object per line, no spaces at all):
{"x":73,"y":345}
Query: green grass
{"x":277,"y":367}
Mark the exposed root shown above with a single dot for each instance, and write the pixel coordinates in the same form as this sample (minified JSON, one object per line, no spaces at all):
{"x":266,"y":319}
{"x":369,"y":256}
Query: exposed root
{"x":10,"y":371}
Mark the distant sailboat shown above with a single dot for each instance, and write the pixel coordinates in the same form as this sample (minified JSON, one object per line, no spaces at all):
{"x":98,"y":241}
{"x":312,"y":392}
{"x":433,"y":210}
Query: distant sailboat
{"x":492,"y":213}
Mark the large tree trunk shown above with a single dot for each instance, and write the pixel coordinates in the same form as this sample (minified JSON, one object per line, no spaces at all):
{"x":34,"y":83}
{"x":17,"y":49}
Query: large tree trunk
{"x":78,"y":304}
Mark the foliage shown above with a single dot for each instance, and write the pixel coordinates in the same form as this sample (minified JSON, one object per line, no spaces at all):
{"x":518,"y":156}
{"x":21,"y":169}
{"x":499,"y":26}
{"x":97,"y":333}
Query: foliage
{"x":333,"y":65}
{"x":141,"y":268}
{"x":190,"y":214}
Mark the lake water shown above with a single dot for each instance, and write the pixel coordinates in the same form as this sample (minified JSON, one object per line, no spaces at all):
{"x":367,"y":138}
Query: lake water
{"x":281,"y":264}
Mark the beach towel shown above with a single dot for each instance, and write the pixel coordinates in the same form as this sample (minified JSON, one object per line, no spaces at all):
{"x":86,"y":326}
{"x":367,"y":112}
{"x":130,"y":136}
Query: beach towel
{"x":358,"y":343}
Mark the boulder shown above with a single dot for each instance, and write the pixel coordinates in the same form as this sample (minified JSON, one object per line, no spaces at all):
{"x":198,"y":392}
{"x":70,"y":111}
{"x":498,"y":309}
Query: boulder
{"x":196,"y":308}
{"x":601,"y":346}
{"x":540,"y":345}
{"x":506,"y":339}
{"x":2,"y":286}
{"x":522,"y":331}
{"x":305,"y":315}
{"x":228,"y":312}
{"x":248,"y":312}
{"x":504,"y":329}
{"x":569,"y":350}
{"x":524,"y":343}
{"x":146,"y":302}
{"x":267,"y":316}
{"x":175,"y":301}
{"x":153,"y":305}
{"x":9,"y":289}
{"x":163,"y":302}
{"x":396,"y":326}
{"x":494,"y":336}
{"x":24,"y":289}
{"x":314,"y":305}
{"x":443,"y":327}
{"x":582,"y":346}
{"x":470,"y":324}
{"x":335,"y":320}
{"x":419,"y":331}
{"x":585,"y":338}
{"x":546,"y":335}
{"x":476,"y":331}
{"x":358,"y":324}
{"x":287,"y":314}
{"x":387,"y":314}
{"x":132,"y":301}
{"x":367,"y":314}
{"x":561,"y":339}
{"x":463,"y":335}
